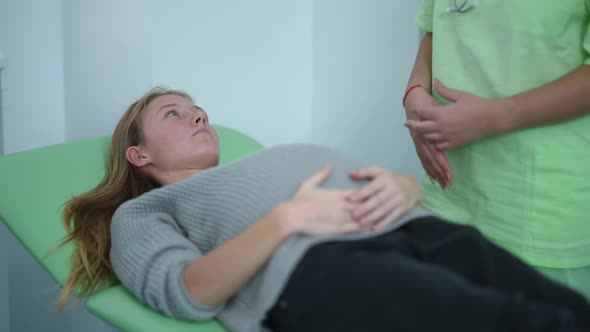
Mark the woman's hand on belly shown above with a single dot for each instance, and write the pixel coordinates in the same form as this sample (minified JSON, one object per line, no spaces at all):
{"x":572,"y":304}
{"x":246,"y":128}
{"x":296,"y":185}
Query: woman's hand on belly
{"x":384,"y":199}
{"x":318,"y":211}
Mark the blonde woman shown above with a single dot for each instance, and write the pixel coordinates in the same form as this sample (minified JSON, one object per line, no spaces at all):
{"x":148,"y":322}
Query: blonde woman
{"x":268,"y":242}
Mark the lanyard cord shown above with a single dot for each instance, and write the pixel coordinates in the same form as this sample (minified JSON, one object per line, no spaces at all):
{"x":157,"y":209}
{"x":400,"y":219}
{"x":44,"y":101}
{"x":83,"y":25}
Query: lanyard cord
{"x":461,"y":9}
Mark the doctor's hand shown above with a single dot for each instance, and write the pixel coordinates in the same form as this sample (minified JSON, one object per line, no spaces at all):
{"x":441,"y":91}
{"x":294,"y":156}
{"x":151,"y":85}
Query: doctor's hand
{"x":317,"y":211}
{"x":467,"y":119}
{"x":434,"y":162}
{"x":384,"y":198}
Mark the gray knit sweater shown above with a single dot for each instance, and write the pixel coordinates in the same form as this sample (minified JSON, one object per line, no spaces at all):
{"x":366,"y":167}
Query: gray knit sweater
{"x":155,"y":235}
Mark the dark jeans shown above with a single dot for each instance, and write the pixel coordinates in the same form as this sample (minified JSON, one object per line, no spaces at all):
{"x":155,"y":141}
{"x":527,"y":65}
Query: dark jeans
{"x":429,"y":275}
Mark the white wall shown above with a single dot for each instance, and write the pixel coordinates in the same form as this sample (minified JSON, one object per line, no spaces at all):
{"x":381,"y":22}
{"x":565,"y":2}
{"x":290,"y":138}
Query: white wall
{"x":331,"y":72}
{"x":363,"y":54}
{"x":107,"y":56}
{"x":32,"y":81}
{"x":248,"y":63}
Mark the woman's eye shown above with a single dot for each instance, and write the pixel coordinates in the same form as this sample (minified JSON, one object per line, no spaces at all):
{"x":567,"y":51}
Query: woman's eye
{"x":171,"y":113}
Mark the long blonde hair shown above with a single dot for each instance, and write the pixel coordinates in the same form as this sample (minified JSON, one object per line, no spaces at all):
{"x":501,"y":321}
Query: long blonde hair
{"x":87,"y":217}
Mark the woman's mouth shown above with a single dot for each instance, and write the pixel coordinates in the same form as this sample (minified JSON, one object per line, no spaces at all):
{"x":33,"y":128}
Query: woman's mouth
{"x":202,"y":130}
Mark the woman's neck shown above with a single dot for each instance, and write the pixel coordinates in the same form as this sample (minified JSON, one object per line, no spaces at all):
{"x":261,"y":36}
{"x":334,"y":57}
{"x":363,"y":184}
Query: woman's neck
{"x":173,"y":176}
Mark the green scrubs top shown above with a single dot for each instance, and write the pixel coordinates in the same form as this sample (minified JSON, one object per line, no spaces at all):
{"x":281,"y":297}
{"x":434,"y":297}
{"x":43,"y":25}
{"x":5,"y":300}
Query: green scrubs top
{"x":528,"y":190}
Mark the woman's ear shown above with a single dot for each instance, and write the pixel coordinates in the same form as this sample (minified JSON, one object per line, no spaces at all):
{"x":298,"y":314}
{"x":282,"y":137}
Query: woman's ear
{"x":136,"y":157}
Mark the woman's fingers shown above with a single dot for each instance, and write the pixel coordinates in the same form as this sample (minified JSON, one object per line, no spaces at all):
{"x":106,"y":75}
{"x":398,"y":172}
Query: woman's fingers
{"x":381,"y":208}
{"x":368,"y":205}
{"x":367,"y":173}
{"x":318,"y":178}
{"x":349,"y":227}
{"x":392,"y":217}
{"x":366,"y":191}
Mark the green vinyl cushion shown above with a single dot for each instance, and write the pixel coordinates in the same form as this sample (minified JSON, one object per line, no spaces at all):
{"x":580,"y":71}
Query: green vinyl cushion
{"x":120,"y":308}
{"x":35,"y":184}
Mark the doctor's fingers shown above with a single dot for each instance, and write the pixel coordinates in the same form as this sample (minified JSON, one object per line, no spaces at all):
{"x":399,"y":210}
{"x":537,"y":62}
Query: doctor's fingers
{"x":445,"y":145}
{"x":437,"y":168}
{"x":428,"y":163}
{"x":442,"y":160}
{"x":429,"y":112}
{"x":435,"y":137}
{"x":423,"y":127}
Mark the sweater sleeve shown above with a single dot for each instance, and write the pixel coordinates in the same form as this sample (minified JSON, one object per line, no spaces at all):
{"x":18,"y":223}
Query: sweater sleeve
{"x":148,"y":254}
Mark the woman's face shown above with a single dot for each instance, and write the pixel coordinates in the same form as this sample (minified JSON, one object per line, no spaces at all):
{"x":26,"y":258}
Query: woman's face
{"x":177,"y":136}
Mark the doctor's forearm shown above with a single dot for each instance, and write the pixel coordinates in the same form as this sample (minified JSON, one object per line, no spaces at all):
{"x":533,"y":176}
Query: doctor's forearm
{"x":564,"y":99}
{"x":422,"y":71}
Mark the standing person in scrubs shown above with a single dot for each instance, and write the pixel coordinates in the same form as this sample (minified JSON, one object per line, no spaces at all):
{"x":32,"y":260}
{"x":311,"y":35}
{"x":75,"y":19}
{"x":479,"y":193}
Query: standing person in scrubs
{"x":498,"y":105}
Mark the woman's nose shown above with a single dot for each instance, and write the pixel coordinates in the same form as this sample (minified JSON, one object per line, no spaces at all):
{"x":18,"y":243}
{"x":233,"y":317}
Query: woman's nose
{"x":199,"y":118}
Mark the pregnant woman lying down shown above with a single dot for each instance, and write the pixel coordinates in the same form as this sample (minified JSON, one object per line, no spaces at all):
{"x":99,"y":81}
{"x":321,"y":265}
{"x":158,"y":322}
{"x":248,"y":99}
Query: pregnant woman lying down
{"x":291,"y":238}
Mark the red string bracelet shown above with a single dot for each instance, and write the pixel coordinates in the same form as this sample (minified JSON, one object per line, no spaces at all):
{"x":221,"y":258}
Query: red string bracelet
{"x":410,"y":90}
